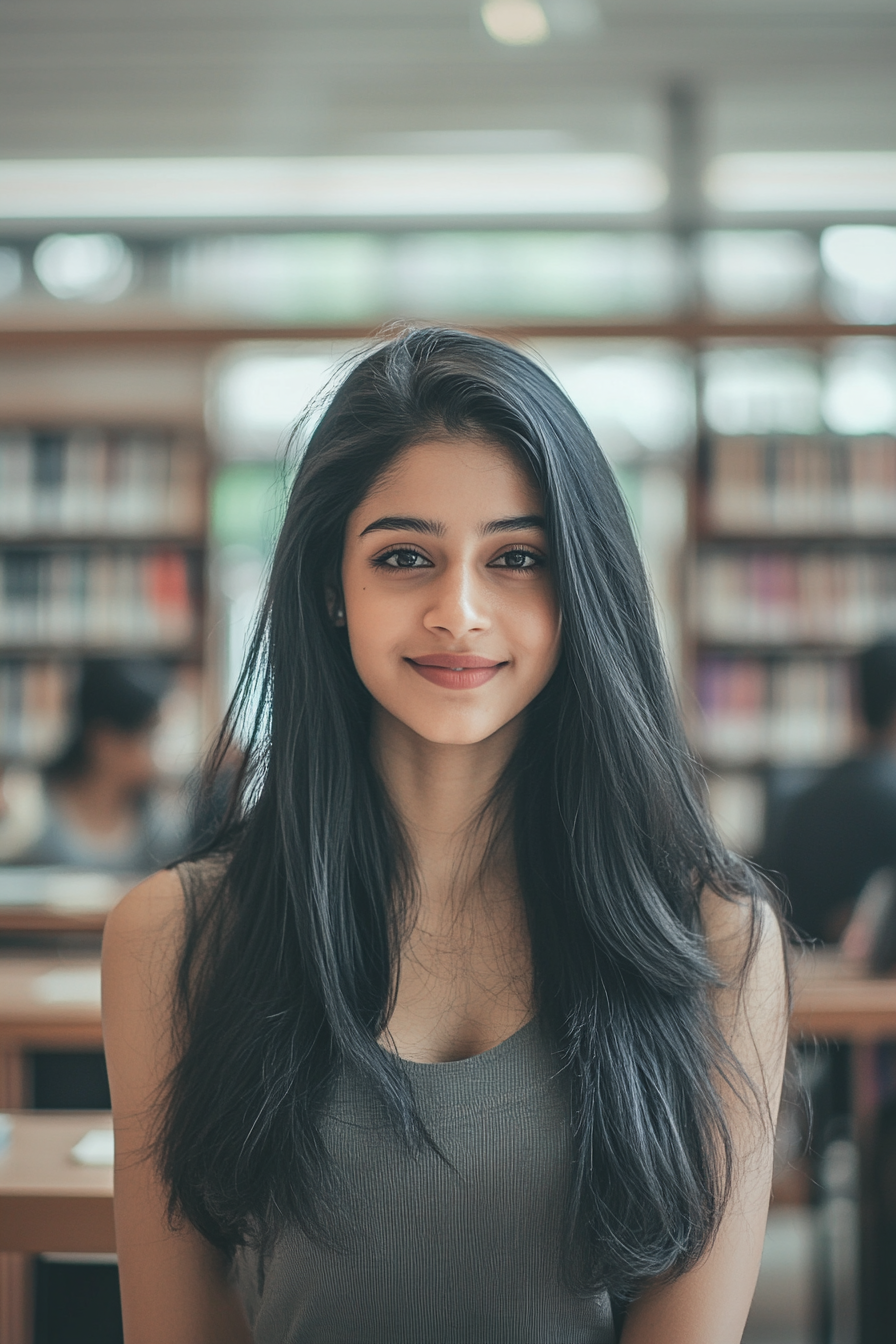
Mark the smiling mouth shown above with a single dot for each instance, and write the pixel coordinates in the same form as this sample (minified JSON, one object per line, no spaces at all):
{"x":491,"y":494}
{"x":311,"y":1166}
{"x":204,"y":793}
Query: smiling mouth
{"x":456,"y":671}
{"x":455,"y":662}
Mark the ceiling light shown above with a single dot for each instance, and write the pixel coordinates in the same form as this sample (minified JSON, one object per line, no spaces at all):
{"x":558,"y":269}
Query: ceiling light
{"x":860,"y":260}
{"x":97,"y":267}
{"x":802,"y":182}
{"x":513,"y":141}
{"x":516,"y":23}
{"x":363,"y":187}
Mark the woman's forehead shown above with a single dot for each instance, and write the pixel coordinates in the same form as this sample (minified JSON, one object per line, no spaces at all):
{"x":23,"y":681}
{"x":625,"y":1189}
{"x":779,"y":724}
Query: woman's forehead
{"x":451,"y":469}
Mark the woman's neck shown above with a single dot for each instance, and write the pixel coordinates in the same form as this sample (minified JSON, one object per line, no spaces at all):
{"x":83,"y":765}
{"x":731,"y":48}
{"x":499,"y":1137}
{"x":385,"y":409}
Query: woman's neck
{"x":439,"y":791}
{"x":465,"y":981}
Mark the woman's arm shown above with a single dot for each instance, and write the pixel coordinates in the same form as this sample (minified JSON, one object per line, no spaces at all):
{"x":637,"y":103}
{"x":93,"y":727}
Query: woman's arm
{"x":709,"y":1304}
{"x":174,"y":1285}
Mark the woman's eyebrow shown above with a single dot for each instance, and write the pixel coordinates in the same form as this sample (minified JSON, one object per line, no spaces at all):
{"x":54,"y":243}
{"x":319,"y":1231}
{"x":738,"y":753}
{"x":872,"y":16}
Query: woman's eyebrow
{"x":513,"y":524}
{"x":429,"y":526}
{"x":393,"y":523}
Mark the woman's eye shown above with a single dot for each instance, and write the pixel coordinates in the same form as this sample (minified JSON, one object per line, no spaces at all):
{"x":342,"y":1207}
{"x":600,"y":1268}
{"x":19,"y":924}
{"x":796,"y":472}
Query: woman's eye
{"x":402,"y":558}
{"x":518,"y":560}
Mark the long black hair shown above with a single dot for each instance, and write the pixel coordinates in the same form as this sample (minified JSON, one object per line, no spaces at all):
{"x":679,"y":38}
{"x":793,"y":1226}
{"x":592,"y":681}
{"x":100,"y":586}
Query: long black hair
{"x":288,"y":968}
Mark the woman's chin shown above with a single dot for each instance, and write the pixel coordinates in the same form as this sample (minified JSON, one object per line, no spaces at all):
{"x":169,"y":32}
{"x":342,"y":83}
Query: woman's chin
{"x":450,"y":730}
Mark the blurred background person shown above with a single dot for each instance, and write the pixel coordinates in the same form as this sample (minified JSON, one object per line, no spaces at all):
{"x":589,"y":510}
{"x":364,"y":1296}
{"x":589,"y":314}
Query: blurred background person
{"x":102,"y":808}
{"x":840,"y":831}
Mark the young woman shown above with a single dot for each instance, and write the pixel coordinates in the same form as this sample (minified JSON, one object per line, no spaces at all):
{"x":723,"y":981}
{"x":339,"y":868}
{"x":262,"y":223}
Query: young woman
{"x":466,"y":1028}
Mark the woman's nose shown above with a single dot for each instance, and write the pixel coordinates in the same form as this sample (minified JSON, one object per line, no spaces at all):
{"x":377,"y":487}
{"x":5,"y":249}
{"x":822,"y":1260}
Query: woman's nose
{"x":458,"y":603}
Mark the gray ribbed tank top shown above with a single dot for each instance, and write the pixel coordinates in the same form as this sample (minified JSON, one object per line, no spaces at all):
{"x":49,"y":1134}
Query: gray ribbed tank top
{"x":464,"y":1252}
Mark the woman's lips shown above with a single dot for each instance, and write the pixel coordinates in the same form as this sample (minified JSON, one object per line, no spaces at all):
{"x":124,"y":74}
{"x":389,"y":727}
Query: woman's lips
{"x":456,"y":672}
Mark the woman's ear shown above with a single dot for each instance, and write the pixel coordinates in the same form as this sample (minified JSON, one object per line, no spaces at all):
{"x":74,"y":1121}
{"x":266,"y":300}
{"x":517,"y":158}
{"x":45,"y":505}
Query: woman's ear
{"x":335,"y":605}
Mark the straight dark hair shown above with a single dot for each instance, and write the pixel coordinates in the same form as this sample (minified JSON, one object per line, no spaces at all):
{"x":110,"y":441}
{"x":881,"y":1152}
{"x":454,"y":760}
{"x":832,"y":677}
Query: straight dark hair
{"x":288,"y":968}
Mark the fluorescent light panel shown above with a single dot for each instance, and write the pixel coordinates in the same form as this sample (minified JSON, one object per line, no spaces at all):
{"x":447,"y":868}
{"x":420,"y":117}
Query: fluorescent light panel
{"x":802,"y":183}
{"x":369,"y":187}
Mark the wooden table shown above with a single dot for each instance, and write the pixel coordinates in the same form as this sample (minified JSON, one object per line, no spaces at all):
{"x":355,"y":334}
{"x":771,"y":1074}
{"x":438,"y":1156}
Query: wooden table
{"x":47,"y":1201}
{"x":58,"y":900}
{"x":46,"y":1003}
{"x":834,"y":1001}
{"x":51,"y":1003}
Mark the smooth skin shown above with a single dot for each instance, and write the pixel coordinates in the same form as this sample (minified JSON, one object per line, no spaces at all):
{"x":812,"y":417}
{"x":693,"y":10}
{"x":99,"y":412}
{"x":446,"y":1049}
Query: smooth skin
{"x":445,"y":561}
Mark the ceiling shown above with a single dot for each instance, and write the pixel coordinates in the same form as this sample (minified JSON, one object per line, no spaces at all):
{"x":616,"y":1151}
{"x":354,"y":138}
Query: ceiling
{"x":86,"y":78}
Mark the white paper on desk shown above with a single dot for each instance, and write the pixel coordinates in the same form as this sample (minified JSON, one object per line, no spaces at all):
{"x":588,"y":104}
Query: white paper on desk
{"x":81,"y":985}
{"x":96,"y":1149}
{"x":88,"y":892}
{"x":64,"y":889}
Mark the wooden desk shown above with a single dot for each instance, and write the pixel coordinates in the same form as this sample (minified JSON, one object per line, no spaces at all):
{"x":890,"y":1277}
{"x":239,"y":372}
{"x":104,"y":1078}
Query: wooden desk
{"x":835,"y":1002}
{"x":46,"y":1003}
{"x":50,"y":1003}
{"x":47,"y":1201}
{"x":58,"y":900}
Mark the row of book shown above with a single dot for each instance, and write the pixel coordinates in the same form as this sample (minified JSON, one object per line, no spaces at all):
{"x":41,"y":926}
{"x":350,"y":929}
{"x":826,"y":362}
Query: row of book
{"x":35,"y":709}
{"x":779,"y":597}
{"x":792,"y":711}
{"x":89,"y":481}
{"x":97,"y":598}
{"x":802,"y":483}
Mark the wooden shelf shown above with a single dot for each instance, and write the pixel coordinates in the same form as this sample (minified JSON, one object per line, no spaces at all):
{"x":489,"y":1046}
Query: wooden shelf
{"x":68,"y":652}
{"x":795,"y":540}
{"x":835,"y":1001}
{"x":52,"y":327}
{"x":42,"y":541}
{"x":786,"y":648}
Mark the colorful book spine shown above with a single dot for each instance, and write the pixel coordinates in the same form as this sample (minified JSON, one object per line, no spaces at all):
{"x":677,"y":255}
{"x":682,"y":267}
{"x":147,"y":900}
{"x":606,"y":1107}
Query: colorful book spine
{"x":96,"y":598}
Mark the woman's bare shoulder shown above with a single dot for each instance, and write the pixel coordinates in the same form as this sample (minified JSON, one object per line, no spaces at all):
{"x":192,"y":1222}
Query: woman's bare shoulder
{"x":741,"y":929}
{"x":146,"y":933}
{"x":151,"y":914}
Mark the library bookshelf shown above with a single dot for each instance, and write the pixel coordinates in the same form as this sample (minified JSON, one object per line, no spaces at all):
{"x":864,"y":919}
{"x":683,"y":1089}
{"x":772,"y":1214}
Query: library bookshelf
{"x":792,"y":571}
{"x":104,"y":475}
{"x":103,"y":531}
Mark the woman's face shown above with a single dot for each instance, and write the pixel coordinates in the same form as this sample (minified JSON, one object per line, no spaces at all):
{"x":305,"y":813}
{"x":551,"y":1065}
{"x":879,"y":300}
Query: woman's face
{"x":447,"y":591}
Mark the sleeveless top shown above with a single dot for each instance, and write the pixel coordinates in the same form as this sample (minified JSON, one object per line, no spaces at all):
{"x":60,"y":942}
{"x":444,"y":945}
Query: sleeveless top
{"x":463,"y":1251}
{"x":459,"y":1248}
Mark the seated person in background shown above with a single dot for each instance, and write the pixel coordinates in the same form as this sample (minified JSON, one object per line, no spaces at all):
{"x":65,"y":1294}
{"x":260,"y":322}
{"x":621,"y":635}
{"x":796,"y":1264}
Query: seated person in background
{"x":99,"y":806}
{"x":840,"y":831}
